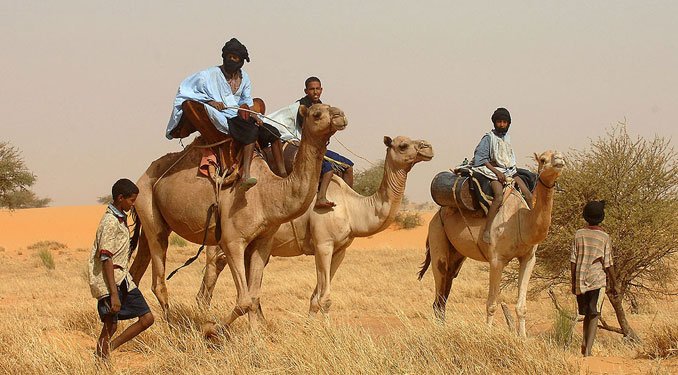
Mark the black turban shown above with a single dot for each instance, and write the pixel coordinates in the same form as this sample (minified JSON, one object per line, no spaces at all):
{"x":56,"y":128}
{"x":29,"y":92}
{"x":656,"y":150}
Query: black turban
{"x":594,"y":212}
{"x":235,"y":47}
{"x":501,"y":114}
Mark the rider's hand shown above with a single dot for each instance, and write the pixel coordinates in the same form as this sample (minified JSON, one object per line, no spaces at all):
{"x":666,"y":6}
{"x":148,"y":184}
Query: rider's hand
{"x":501,"y":177}
{"x":218,"y":105}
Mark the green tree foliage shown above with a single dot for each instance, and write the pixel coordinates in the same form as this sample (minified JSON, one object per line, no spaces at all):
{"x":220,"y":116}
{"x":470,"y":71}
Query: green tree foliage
{"x":15,"y":179}
{"x":638,"y":179}
{"x":367,"y":182}
{"x":105,"y":199}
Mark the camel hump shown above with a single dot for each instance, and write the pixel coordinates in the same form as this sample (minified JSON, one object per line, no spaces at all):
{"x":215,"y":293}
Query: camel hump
{"x":451,"y":190}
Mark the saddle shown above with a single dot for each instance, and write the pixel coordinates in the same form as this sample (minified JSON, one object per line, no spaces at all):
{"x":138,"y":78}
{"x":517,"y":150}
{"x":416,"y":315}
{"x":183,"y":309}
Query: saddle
{"x":220,"y":151}
{"x":469,"y":190}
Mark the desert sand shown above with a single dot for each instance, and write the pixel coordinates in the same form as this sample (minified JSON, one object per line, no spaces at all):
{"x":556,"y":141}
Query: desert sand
{"x":376,"y":298}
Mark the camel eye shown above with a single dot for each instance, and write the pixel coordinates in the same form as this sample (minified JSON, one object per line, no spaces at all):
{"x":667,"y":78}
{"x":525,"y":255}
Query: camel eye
{"x":403,"y":147}
{"x":317,"y":115}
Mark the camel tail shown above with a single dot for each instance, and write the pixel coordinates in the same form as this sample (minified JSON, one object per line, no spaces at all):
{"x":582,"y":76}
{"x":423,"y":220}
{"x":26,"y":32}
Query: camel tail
{"x":427,"y":261}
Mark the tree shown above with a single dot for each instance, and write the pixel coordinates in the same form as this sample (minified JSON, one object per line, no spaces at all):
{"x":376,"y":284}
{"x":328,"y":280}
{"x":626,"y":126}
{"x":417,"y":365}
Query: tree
{"x":15,"y":179}
{"x":367,"y":182}
{"x":638,"y":179}
{"x":105,"y":199}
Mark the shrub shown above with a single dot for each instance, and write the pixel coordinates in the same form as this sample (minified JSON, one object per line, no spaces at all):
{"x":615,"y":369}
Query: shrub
{"x":176,"y":240}
{"x":46,"y":257}
{"x":408,"y":220}
{"x":563,"y":326}
{"x":47,"y":245}
{"x":662,"y":340}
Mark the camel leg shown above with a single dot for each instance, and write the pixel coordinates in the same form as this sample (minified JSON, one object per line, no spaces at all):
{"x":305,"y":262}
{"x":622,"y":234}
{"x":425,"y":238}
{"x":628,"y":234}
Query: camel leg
{"x":446,"y":263}
{"x":158,"y":245}
{"x":337,"y":258}
{"x":141,"y":259}
{"x":235,"y":255}
{"x":261,"y":250}
{"x":496,"y":267}
{"x":215,"y":263}
{"x":323,"y":265}
{"x":526,"y":265}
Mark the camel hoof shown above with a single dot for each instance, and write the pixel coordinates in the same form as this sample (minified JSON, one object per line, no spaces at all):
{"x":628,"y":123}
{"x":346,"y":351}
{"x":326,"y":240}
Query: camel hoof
{"x":213,"y":331}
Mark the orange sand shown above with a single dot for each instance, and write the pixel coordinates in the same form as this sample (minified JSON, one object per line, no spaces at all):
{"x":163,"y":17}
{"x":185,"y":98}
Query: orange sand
{"x":72,"y":226}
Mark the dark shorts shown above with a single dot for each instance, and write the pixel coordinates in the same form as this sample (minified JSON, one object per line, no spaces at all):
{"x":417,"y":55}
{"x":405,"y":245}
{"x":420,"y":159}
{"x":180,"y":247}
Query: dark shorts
{"x":247,"y":131}
{"x":329,"y":166}
{"x":132,"y":303}
{"x":590,"y":303}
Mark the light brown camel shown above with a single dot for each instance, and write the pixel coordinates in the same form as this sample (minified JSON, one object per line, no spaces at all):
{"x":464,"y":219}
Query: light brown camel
{"x":327,"y":233}
{"x":515,"y":233}
{"x":178,"y":202}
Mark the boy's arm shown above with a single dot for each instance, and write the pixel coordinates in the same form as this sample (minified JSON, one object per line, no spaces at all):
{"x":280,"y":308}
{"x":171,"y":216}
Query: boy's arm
{"x":573,"y":275}
{"x":610,"y":272}
{"x":109,"y":277}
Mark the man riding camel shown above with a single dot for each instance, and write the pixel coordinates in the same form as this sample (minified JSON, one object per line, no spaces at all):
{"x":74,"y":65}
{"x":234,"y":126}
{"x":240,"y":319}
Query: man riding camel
{"x":224,"y":89}
{"x":288,"y":121}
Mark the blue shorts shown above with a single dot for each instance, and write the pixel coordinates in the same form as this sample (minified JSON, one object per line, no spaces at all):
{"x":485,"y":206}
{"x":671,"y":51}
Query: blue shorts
{"x":132,"y":303}
{"x":329,"y":166}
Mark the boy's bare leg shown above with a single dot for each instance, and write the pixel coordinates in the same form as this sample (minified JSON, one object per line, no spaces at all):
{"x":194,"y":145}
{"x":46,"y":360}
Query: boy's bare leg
{"x":523,"y":189}
{"x":590,"y":327}
{"x":497,"y":190}
{"x":321,"y":200}
{"x":103,"y":349}
{"x":276,"y":150}
{"x":348,"y":177}
{"x":132,"y":331}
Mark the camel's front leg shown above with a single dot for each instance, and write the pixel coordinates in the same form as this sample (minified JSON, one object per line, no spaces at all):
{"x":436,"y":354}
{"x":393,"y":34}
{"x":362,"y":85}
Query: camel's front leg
{"x":215,"y":263}
{"x":526,"y":266}
{"x":320,"y":300}
{"x":141,"y":259}
{"x":261,"y":251}
{"x":235,"y":255}
{"x":496,"y":267}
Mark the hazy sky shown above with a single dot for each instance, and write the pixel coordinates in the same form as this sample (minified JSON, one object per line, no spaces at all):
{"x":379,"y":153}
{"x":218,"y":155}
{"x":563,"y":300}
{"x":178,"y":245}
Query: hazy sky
{"x":87,"y":86}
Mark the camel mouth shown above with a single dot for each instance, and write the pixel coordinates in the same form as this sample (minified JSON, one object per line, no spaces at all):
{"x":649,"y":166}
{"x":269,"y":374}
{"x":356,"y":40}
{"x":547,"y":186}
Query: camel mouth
{"x":425,"y":157}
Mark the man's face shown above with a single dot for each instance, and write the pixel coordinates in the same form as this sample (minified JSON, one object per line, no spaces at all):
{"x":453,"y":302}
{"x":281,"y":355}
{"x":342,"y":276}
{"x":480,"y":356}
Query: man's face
{"x":233,"y":57}
{"x":501,"y":124}
{"x":313,"y":90}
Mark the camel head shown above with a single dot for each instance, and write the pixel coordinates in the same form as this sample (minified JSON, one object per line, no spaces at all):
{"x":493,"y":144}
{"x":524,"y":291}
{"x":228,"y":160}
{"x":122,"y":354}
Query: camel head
{"x":405,"y":153}
{"x":551,"y":164}
{"x":322,"y":120}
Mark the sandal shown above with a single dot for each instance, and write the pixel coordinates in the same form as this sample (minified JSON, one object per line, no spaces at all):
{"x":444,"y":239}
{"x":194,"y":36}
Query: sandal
{"x":249,"y":183}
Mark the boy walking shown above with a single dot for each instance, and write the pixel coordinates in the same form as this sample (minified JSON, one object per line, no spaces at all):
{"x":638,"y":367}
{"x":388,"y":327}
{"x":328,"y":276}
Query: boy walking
{"x":109,"y":279}
{"x":590,"y":263}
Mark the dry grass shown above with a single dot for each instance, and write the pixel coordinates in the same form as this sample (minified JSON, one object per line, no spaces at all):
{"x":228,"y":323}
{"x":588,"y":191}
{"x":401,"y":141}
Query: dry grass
{"x":662,"y":340}
{"x":380,"y":323}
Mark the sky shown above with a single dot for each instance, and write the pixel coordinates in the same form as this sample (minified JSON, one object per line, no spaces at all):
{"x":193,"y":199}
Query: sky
{"x":88,"y":86}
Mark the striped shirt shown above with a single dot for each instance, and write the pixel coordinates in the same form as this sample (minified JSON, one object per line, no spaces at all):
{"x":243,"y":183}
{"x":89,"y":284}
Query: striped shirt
{"x":591,"y":254}
{"x":112,"y":241}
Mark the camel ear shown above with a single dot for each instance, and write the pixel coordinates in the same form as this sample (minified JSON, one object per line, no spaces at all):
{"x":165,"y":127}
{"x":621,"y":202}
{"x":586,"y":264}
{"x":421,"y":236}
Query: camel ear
{"x":388,"y":141}
{"x":536,"y":157}
{"x":303,"y":110}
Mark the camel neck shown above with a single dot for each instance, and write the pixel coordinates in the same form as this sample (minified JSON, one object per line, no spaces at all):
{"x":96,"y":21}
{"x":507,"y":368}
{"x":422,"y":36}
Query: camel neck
{"x":291,"y":195}
{"x":538,"y":219}
{"x":374,"y":213}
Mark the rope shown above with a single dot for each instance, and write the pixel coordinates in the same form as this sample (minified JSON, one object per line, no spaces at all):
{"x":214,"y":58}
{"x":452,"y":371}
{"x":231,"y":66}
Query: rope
{"x":297,"y":138}
{"x":468,"y":227}
{"x":210,"y":210}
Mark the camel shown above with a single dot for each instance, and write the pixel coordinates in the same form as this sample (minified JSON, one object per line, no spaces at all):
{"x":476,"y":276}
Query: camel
{"x":179,"y":201}
{"x":455,"y":234}
{"x":326,"y":233}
